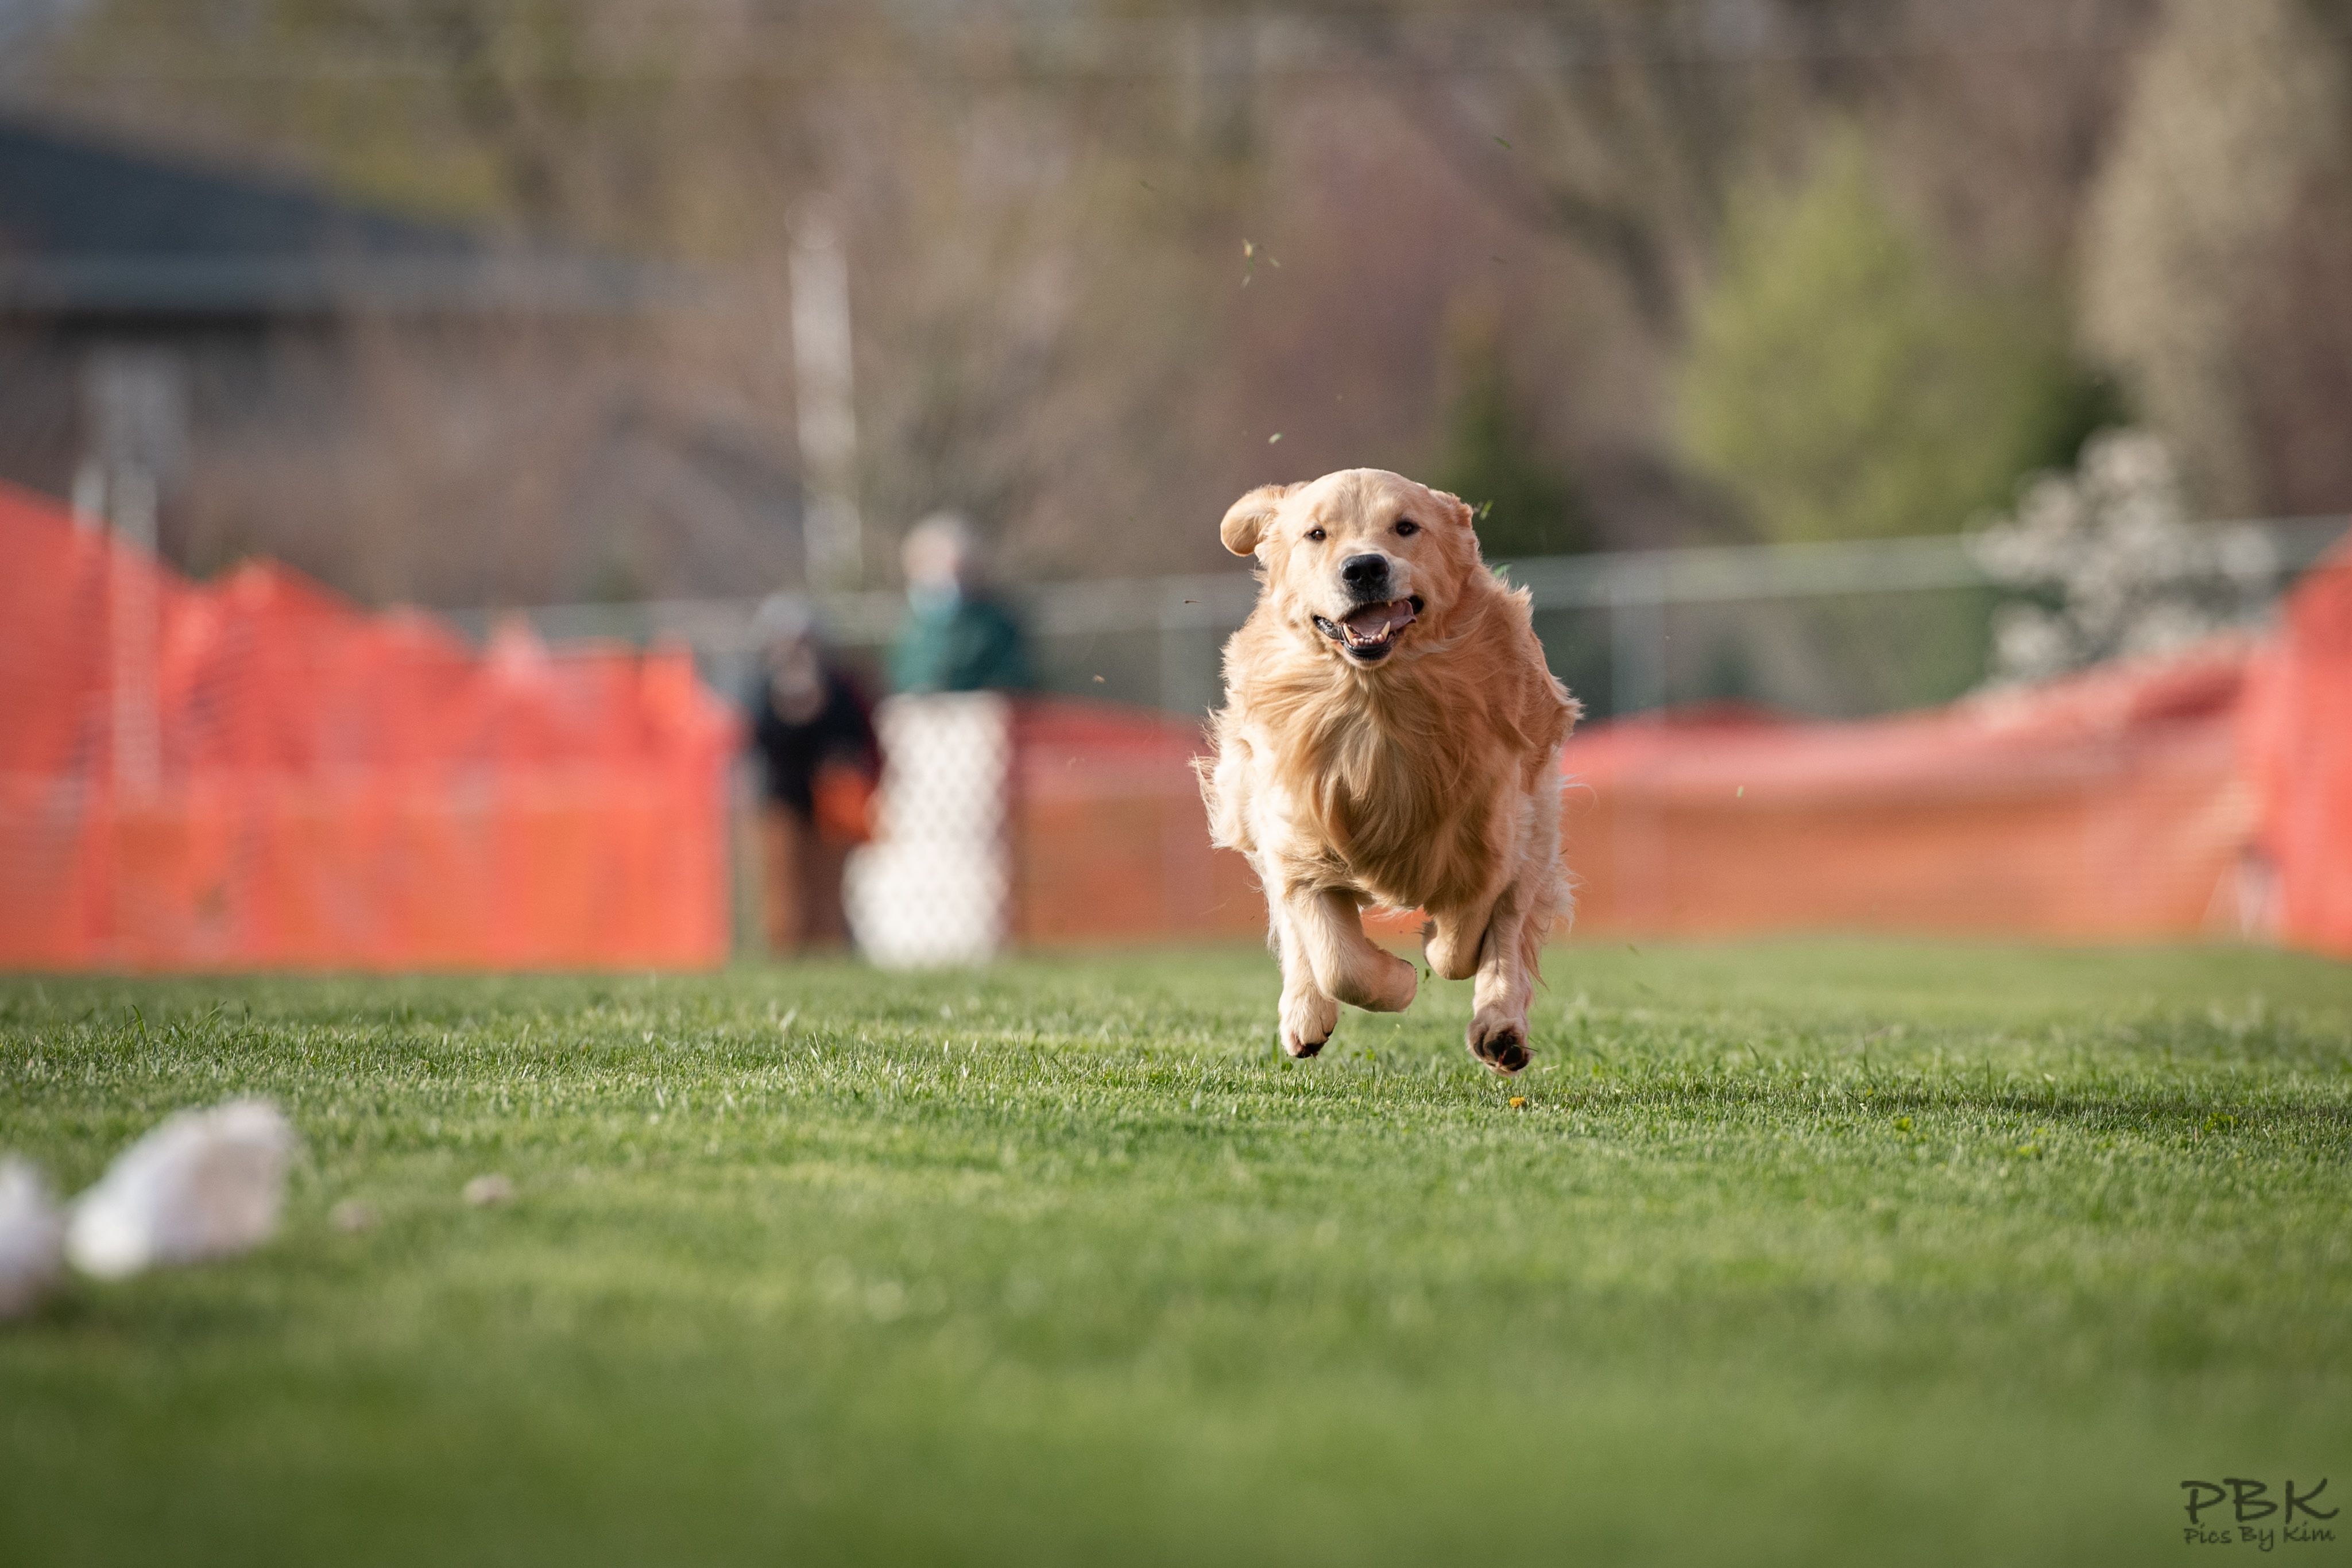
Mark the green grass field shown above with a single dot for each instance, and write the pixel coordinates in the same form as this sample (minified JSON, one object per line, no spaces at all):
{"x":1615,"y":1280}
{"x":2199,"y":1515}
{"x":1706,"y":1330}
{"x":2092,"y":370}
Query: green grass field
{"x":1793,"y":1254}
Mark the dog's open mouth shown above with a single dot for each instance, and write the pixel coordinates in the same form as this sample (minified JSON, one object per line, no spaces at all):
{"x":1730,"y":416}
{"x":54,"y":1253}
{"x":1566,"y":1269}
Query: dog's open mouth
{"x":1370,"y":632}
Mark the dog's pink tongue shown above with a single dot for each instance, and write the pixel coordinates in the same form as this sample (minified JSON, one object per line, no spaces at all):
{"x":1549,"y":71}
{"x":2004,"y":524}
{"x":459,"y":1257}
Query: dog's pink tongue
{"x":1379,"y":619}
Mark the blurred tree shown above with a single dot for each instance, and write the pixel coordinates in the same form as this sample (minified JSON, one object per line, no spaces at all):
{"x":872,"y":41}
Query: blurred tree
{"x":1526,"y":505}
{"x":1844,"y":387}
{"x":1056,"y":327}
{"x":1621,"y":129}
{"x":2232,"y":149}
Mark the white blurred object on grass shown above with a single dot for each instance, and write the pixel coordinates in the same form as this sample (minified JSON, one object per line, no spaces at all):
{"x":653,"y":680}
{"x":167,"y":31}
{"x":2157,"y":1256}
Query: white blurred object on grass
{"x":204,"y":1184}
{"x":32,"y":1236}
{"x":489,"y":1191}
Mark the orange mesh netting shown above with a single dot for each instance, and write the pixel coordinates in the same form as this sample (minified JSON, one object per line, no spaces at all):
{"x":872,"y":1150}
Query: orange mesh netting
{"x":2127,"y":802}
{"x":253,"y":773}
{"x":2299,"y":758}
{"x":2104,"y":806}
{"x":1111,"y":842}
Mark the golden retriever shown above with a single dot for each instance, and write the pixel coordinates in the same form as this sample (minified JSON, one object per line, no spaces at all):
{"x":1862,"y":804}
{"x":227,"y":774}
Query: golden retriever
{"x":1390,"y":735}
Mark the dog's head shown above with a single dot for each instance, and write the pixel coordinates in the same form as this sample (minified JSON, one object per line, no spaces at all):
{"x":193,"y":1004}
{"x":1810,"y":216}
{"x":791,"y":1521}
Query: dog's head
{"x":1363,"y":561}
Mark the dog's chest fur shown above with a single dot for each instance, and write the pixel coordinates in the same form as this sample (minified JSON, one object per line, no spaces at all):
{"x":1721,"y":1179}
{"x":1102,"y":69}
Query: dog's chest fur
{"x":1405,"y":786}
{"x":1403,"y":795}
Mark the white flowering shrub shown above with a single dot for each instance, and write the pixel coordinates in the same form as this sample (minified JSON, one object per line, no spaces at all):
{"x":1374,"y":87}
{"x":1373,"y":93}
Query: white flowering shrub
{"x":2114,"y":565}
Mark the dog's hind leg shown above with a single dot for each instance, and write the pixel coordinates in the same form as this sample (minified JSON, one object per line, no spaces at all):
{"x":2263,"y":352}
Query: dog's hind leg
{"x":1348,"y":963}
{"x":1498,"y":1035}
{"x":1452,"y":940}
{"x":1515,"y":937}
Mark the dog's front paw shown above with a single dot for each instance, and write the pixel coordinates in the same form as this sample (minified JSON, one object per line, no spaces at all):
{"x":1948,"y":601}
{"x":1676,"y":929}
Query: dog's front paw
{"x":1308,"y":1019}
{"x":1500,"y":1040}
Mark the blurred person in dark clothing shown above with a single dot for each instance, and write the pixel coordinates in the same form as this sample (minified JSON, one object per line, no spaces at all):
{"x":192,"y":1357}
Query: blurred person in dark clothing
{"x":957,"y":637}
{"x":821,"y":761}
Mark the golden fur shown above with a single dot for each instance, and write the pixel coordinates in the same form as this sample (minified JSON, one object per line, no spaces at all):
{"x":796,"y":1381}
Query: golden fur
{"x":1429,"y":778}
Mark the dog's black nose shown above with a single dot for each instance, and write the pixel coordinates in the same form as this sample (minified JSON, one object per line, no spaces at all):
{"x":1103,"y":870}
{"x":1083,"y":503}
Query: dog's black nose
{"x":1364,"y":573}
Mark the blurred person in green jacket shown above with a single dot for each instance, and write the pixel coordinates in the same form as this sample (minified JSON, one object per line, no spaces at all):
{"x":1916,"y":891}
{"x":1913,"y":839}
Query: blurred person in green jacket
{"x":957,"y":637}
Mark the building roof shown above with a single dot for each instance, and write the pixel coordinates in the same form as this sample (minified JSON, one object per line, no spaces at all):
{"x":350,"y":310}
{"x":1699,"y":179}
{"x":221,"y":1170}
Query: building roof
{"x":92,"y":227}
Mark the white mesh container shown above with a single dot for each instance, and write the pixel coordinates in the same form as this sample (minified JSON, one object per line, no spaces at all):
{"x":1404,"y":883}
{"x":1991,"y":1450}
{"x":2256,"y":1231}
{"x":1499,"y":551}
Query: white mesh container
{"x":934,"y":886}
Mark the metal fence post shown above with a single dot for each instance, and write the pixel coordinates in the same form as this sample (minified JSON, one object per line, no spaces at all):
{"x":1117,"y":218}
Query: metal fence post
{"x":1637,"y":637}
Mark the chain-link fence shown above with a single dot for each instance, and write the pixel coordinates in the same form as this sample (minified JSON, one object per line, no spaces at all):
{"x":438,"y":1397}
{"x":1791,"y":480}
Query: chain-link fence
{"x":1839,"y":629}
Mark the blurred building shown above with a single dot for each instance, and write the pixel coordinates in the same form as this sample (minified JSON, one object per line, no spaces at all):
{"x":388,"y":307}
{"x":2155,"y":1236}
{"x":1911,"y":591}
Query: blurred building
{"x":350,"y":389}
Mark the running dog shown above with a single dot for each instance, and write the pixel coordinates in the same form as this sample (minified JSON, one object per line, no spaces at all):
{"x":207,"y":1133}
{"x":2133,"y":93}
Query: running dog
{"x":1390,"y":735}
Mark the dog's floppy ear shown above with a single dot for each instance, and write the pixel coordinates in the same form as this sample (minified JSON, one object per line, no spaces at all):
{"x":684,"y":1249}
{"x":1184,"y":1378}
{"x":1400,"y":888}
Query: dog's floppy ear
{"x":1246,"y":518}
{"x":1457,"y":511}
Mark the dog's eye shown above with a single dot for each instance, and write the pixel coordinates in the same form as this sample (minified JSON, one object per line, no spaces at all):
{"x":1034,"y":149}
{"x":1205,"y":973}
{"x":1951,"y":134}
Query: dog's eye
{"x":1314,"y":534}
{"x":1407,"y":527}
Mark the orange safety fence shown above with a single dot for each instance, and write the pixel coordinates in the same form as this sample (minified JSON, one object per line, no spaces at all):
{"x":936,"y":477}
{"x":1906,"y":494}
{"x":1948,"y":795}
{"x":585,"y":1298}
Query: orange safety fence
{"x":2299,"y":758}
{"x":2106,"y":805}
{"x":2207,"y":793}
{"x":1110,"y":842}
{"x":2110,"y":806}
{"x":255,"y":773}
